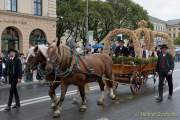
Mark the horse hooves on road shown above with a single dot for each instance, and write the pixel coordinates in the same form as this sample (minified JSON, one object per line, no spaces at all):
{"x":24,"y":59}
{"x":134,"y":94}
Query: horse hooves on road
{"x":82,"y":109}
{"x":56,"y":115}
{"x":113,"y":98}
{"x":75,"y":102}
{"x":100,"y":103}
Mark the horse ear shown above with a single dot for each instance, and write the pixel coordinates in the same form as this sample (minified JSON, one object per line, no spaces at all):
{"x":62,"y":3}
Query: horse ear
{"x":58,"y":43}
{"x":36,"y":49}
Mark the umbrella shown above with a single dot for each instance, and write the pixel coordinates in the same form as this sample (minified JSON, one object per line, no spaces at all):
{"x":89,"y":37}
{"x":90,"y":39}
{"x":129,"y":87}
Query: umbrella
{"x":96,"y":46}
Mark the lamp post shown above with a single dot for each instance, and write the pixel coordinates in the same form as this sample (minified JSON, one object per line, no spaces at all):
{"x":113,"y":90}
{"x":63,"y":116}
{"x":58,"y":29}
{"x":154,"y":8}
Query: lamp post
{"x":87,"y":27}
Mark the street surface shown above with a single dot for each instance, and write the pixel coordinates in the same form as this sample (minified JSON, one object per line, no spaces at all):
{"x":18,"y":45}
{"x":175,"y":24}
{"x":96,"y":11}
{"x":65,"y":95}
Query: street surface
{"x":36,"y":104}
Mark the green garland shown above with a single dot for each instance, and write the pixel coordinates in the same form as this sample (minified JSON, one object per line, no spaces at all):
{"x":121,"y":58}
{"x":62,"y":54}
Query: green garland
{"x":133,"y":60}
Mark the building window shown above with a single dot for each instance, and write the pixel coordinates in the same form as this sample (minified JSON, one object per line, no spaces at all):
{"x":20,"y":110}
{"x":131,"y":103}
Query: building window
{"x":169,"y":29}
{"x":38,"y":7}
{"x":170,"y":34}
{"x":174,"y":35}
{"x":37,"y":37}
{"x":11,"y":5}
{"x":178,"y":28}
{"x":174,"y":29}
{"x":10,"y":39}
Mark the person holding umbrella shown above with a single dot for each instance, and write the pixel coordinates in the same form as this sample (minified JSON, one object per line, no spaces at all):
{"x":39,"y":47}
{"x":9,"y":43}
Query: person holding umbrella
{"x":13,"y":70}
{"x":165,"y":67}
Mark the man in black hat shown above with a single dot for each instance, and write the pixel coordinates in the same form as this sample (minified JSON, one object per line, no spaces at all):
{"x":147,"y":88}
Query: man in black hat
{"x":121,"y":50}
{"x":14,"y":71}
{"x":165,"y":67}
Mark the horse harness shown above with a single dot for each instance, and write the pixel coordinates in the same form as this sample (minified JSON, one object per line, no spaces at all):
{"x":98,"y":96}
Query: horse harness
{"x":74,"y":66}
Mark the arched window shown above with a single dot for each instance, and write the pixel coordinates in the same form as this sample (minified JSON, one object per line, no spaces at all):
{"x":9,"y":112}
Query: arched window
{"x":38,"y":7}
{"x":11,"y":5}
{"x":37,"y":37}
{"x":10,"y":39}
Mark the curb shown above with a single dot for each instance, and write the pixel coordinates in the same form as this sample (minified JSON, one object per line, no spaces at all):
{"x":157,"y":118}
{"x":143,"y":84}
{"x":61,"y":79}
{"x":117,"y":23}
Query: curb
{"x":20,"y":84}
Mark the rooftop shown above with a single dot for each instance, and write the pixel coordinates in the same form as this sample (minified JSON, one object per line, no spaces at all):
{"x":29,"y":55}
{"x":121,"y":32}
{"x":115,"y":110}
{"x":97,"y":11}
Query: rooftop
{"x":156,"y":20}
{"x":173,"y":22}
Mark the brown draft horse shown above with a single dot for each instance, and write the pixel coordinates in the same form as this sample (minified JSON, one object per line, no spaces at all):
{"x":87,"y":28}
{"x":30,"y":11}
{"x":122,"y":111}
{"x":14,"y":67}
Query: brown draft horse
{"x":79,"y":70}
{"x":36,"y":60}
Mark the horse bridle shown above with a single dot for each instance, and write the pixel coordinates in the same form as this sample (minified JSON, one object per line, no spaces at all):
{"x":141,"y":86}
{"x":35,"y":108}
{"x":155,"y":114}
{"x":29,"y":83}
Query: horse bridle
{"x":56,"y":66}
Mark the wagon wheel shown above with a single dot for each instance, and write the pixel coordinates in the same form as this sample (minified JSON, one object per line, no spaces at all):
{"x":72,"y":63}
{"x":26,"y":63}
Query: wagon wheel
{"x":136,"y":83}
{"x":144,"y":78}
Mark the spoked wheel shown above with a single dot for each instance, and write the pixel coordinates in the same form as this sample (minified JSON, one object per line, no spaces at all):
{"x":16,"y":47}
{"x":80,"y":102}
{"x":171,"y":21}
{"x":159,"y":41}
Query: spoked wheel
{"x":136,"y":83}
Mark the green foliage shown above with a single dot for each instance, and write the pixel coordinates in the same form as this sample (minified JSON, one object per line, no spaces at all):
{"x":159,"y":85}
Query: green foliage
{"x":133,"y":60}
{"x":103,"y":17}
{"x":177,"y":41}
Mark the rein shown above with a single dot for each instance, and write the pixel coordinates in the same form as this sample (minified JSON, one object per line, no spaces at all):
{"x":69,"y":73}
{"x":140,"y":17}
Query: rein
{"x":68,"y":71}
{"x":64,"y":65}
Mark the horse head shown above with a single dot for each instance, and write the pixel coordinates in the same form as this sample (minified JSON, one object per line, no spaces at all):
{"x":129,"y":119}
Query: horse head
{"x":36,"y":55}
{"x":52,"y":56}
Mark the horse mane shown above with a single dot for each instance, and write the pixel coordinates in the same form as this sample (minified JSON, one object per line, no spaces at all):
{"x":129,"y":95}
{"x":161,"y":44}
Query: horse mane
{"x":43,"y":49}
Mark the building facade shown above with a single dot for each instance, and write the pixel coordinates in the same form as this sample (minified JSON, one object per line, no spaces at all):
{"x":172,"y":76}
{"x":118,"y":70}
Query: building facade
{"x":173,"y":28}
{"x":26,"y":22}
{"x":159,"y":26}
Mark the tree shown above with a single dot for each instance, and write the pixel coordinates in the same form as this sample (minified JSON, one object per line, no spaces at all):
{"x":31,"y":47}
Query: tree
{"x":70,"y":15}
{"x":128,"y":13}
{"x":103,"y":17}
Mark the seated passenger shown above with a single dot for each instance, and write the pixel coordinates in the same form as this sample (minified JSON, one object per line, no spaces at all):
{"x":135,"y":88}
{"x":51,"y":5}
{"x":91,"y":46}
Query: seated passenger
{"x":131,"y":49}
{"x":121,"y":50}
{"x":144,"y":52}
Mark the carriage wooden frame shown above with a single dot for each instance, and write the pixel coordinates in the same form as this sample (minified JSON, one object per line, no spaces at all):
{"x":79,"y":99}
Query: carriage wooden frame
{"x":136,"y":75}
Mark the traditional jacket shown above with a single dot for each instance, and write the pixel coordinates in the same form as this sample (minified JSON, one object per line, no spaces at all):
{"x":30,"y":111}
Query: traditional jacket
{"x":13,"y":68}
{"x":165,"y":63}
{"x":121,"y":51}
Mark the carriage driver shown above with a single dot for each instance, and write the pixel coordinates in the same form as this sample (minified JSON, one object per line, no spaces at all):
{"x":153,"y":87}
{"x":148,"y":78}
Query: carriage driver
{"x":165,"y":67}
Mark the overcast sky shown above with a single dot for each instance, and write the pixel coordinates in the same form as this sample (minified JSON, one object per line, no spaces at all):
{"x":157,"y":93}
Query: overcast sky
{"x":163,"y":9}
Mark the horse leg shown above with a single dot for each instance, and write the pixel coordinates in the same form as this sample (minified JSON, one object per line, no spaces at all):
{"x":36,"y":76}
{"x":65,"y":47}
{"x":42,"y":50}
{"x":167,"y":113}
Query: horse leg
{"x":58,"y":109}
{"x":83,"y":106}
{"x":75,"y":98}
{"x":52,"y":94}
{"x":111,"y":91}
{"x":101,"y":99}
{"x":109,"y":83}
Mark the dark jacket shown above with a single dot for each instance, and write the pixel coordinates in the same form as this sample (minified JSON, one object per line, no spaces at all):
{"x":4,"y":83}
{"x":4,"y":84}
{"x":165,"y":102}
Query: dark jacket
{"x":13,"y":68}
{"x":1,"y":68}
{"x":131,"y":51}
{"x":121,"y":51}
{"x":169,"y":63}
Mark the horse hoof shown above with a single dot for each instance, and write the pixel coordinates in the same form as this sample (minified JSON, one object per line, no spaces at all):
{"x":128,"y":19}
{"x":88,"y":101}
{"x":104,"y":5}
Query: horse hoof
{"x":113,"y":97}
{"x":74,"y":102}
{"x":100,"y":103}
{"x":82,"y":109}
{"x":57,"y":113}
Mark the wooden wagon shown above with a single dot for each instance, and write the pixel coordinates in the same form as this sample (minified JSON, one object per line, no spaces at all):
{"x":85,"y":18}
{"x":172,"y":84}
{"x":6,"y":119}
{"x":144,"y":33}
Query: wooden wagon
{"x":134,"y":75}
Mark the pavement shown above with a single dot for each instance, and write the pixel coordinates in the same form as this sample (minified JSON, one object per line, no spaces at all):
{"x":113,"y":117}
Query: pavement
{"x":36,"y":104}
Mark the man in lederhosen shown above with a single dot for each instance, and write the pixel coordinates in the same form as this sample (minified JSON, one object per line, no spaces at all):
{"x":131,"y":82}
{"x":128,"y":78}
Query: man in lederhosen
{"x":14,"y":71}
{"x":165,"y":67}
